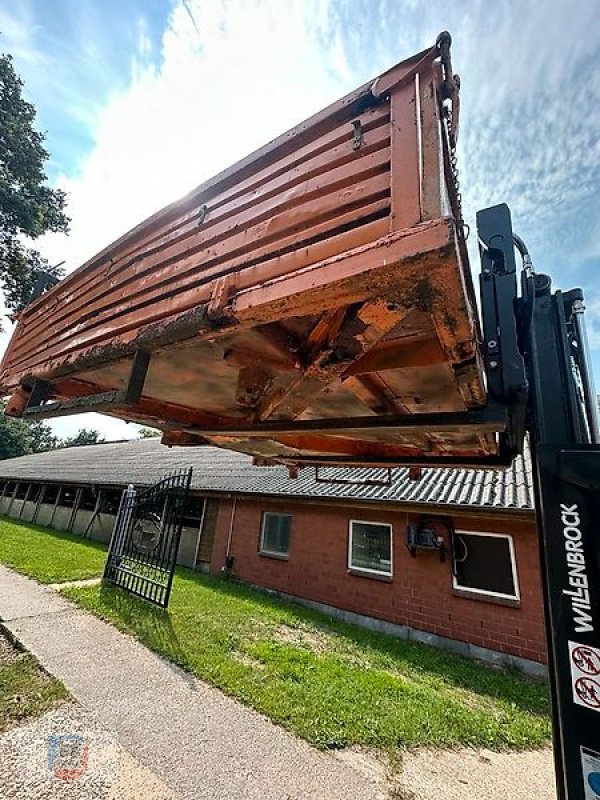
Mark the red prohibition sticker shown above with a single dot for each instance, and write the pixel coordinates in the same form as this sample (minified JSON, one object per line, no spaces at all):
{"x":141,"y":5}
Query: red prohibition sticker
{"x":588,"y":691}
{"x":586,"y":659}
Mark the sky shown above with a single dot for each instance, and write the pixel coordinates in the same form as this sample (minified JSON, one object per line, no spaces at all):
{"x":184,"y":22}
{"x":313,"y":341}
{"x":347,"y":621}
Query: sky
{"x":142,"y":100}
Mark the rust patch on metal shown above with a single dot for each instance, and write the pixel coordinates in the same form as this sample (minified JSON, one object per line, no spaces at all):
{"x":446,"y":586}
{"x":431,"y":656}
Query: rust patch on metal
{"x":325,"y":282}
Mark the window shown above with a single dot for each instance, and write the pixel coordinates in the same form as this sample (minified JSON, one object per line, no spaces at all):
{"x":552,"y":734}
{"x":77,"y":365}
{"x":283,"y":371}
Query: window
{"x":21,"y":491}
{"x":68,"y":496}
{"x":275,"y":534}
{"x":484,"y":563}
{"x":111,"y":499}
{"x":194,"y":511}
{"x":88,"y":499}
{"x":370,"y":548}
{"x":51,"y":494}
{"x":35,"y":492}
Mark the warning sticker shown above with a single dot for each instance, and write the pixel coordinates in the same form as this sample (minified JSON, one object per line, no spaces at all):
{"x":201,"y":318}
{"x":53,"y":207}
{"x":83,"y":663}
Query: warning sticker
{"x":585,"y":675}
{"x":590,"y":763}
{"x":588,"y":692}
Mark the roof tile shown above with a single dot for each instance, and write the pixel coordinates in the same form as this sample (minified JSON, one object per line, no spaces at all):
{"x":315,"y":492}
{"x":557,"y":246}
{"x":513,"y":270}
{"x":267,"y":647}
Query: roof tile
{"x":144,"y":461}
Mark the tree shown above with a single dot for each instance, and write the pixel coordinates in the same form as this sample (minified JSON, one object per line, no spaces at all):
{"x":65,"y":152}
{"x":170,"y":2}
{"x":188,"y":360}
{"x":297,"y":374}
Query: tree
{"x":82,"y":437}
{"x":41,"y":436}
{"x":28,"y":208}
{"x":149,"y":433}
{"x":14,"y":438}
{"x":19,"y":437}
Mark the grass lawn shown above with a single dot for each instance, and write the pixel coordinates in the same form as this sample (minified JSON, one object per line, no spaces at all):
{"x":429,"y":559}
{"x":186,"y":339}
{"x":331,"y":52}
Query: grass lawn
{"x":332,"y":683}
{"x":25,"y":690}
{"x":49,"y":556}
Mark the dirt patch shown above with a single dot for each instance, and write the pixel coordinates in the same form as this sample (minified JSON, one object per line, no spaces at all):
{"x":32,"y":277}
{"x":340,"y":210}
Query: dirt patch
{"x":248,"y":660}
{"x":317,"y":641}
{"x":368,"y":761}
{"x":470,"y":774}
{"x":76,"y":584}
{"x":458,"y":774}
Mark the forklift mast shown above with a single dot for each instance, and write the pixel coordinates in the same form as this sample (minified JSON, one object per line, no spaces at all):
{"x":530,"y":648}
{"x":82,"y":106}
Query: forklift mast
{"x":538,"y":367}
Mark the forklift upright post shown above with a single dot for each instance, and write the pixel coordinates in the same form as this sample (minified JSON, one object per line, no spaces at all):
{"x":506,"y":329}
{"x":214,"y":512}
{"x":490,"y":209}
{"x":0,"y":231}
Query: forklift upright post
{"x":561,"y":419}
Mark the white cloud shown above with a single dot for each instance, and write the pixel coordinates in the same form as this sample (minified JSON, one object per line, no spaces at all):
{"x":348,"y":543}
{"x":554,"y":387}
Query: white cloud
{"x":592,"y":306}
{"x":18,"y":27}
{"x":231,"y":76}
{"x":235,"y":73}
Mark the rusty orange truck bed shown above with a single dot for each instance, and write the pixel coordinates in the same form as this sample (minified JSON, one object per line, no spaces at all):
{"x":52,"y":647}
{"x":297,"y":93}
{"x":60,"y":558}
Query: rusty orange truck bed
{"x":313,"y":303}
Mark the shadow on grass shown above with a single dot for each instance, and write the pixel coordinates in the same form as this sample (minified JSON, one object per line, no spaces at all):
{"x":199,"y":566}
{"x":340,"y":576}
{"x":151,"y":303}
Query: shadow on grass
{"x":506,"y":684}
{"x":156,"y":621}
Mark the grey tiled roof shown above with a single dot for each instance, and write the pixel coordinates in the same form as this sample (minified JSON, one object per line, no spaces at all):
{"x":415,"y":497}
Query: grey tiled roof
{"x":143,"y":462}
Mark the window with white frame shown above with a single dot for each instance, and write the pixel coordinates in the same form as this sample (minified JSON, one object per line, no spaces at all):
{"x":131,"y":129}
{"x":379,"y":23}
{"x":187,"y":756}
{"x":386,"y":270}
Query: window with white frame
{"x":275,"y":534}
{"x":484,"y":563}
{"x":370,"y":547}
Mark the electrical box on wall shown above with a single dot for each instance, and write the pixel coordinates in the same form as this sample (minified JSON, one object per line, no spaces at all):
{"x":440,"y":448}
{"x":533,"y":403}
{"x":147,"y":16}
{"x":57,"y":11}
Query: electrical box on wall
{"x":421,"y":537}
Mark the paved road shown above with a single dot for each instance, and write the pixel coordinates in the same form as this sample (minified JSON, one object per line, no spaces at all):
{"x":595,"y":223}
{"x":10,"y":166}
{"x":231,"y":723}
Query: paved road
{"x":200,"y":743}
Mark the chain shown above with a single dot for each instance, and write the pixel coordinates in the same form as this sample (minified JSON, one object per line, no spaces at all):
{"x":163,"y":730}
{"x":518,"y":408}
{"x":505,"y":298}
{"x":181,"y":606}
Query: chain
{"x":449,"y":92}
{"x":455,"y":177}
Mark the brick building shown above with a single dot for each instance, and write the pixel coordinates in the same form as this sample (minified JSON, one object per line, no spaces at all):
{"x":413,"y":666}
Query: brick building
{"x":340,"y":541}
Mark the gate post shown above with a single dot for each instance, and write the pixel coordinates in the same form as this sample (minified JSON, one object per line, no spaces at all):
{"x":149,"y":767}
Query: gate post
{"x":121,"y":526}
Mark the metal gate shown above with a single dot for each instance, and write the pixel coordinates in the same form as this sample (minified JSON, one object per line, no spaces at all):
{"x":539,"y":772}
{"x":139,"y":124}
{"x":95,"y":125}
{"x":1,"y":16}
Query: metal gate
{"x":145,"y":540}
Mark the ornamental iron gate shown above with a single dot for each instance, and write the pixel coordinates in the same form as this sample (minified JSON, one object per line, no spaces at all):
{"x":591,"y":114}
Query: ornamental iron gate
{"x":143,"y":548}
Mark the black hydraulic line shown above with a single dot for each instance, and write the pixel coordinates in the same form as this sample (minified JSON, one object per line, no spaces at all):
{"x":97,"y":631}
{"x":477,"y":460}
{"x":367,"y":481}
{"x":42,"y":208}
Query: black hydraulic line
{"x":584,"y":362}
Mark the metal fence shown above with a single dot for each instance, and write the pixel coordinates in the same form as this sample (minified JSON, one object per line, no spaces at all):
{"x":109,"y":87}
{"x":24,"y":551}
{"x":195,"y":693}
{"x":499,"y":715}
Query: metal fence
{"x":145,"y":540}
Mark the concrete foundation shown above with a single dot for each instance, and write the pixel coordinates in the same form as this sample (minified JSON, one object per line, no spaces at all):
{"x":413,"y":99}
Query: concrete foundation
{"x":495,"y":657}
{"x":28,"y":511}
{"x":44,"y":515}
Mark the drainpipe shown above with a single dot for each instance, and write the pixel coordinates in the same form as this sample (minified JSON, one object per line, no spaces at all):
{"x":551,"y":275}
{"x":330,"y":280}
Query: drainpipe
{"x":228,"y":557}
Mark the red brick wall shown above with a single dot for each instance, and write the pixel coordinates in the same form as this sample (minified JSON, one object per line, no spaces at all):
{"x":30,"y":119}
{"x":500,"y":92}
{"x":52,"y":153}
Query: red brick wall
{"x":420,"y":593}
